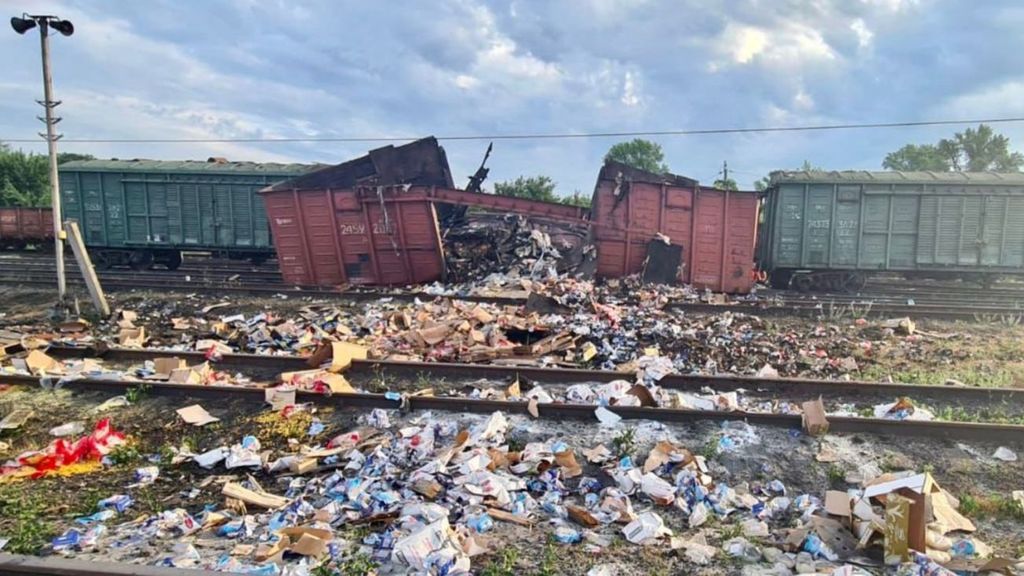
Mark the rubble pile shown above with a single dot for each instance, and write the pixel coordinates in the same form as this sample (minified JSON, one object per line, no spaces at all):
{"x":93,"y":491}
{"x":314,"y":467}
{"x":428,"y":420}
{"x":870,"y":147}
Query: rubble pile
{"x":567,"y":324}
{"x":513,"y":246}
{"x":329,"y":362}
{"x":430,"y":495}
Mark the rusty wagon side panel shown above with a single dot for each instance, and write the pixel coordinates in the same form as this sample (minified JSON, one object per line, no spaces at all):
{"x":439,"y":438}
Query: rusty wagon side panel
{"x":716,"y":228}
{"x":23,"y":226}
{"x":355,"y":236}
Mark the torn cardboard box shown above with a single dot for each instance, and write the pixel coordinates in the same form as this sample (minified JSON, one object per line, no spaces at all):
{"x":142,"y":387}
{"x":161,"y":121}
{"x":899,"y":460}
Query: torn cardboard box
{"x":814,"y":420}
{"x":196,"y":415}
{"x":132,"y":337}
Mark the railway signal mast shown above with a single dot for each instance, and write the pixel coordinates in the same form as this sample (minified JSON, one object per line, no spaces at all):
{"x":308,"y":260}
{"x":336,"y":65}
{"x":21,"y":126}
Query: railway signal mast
{"x":21,"y":25}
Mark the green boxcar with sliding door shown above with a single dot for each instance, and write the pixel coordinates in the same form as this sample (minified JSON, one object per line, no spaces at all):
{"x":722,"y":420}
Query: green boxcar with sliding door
{"x":143,"y":212}
{"x":831,"y":230}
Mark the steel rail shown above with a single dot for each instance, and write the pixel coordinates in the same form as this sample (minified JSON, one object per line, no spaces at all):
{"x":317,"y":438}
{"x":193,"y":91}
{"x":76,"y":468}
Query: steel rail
{"x":1012,"y":434}
{"x":806,"y":309}
{"x":804,"y":305}
{"x":960,"y":430}
{"x":682,"y":382}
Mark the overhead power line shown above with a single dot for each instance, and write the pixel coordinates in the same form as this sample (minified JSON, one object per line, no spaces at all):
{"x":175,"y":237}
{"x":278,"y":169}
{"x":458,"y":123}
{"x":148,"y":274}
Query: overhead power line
{"x":539,"y":136}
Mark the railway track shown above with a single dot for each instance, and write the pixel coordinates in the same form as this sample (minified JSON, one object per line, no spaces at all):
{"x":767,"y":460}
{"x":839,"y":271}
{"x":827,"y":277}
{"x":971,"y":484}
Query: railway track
{"x":790,"y":389}
{"x":230,"y":277}
{"x":805,"y":307}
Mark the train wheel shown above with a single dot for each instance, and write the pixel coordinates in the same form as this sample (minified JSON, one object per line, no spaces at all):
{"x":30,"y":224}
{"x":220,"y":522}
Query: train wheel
{"x":803,"y":282}
{"x":854,"y":281}
{"x":100,"y":261}
{"x":141,"y":260}
{"x":833,"y":282}
{"x":780,"y":280}
{"x":173,"y":260}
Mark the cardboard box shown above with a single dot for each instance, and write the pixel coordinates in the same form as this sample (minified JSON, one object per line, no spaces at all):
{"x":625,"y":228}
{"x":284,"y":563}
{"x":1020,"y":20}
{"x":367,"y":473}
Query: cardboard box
{"x":897,"y":529}
{"x":132,"y":337}
{"x":164,"y":366}
{"x":814,"y":420}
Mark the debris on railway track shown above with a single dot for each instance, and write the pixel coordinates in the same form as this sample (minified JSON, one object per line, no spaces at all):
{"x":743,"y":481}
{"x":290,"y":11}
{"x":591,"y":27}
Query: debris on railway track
{"x":292,"y":487}
{"x":429,"y":494}
{"x":569,"y":323}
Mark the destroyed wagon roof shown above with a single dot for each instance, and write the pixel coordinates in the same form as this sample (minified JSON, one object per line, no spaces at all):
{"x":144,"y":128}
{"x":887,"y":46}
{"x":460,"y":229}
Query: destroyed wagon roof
{"x":422,"y":162}
{"x":612,"y":169}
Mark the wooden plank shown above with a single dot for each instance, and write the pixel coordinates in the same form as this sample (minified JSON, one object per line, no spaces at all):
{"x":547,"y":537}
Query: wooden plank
{"x":99,"y":300}
{"x":504,"y":516}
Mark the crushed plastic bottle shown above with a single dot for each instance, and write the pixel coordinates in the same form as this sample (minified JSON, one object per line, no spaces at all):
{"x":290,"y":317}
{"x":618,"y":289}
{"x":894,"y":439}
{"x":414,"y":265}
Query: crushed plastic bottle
{"x":67,"y":541}
{"x":567,"y":535}
{"x":119,"y":502}
{"x":480,"y":523}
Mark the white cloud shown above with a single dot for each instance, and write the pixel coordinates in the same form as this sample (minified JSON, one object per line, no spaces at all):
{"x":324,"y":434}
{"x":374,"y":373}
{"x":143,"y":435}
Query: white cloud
{"x":745,"y":42}
{"x":466,"y":81}
{"x":864,"y":34}
{"x":630,"y":97}
{"x":785,"y":45}
{"x":802,"y":100}
{"x":1003,"y":99}
{"x":892,"y":5}
{"x":502,"y":57}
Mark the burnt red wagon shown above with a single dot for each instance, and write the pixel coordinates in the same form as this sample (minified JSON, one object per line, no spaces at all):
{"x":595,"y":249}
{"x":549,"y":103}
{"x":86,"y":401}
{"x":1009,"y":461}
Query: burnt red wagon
{"x":20,"y":227}
{"x":373,"y":221}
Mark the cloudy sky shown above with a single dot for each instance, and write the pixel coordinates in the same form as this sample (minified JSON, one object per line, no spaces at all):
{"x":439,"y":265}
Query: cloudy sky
{"x":341,"y":68}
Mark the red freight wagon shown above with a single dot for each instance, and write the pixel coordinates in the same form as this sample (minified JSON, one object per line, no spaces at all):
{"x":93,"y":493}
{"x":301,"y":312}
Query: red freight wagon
{"x":380,"y":235}
{"x":716,"y":228}
{"x":22,"y":226}
{"x":373,"y":220}
{"x":354,"y":236}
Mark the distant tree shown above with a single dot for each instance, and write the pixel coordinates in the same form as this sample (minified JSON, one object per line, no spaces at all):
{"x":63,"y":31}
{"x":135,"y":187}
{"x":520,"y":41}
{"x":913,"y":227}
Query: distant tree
{"x":11,"y":196}
{"x":532,"y":187}
{"x":577,"y":198}
{"x":24,"y":178}
{"x":725,"y":184}
{"x":980,"y":150}
{"x":63,"y":157}
{"x":917,"y":157}
{"x":639,"y":153}
{"x":973,"y":150}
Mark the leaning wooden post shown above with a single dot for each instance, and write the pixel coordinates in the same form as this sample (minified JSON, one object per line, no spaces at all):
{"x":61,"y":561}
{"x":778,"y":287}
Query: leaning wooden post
{"x":85,"y":266}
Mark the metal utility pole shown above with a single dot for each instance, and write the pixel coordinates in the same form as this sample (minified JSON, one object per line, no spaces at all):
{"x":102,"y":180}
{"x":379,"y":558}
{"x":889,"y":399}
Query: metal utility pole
{"x":725,"y":171}
{"x":22,"y":25}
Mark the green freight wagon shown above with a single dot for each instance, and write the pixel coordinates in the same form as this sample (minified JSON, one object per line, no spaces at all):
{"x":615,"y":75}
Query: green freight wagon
{"x":830,"y":230}
{"x":144,"y":212}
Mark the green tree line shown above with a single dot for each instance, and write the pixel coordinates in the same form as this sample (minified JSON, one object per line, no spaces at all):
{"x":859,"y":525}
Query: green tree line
{"x":25,"y":177}
{"x":973,"y":150}
{"x":638,"y":153}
